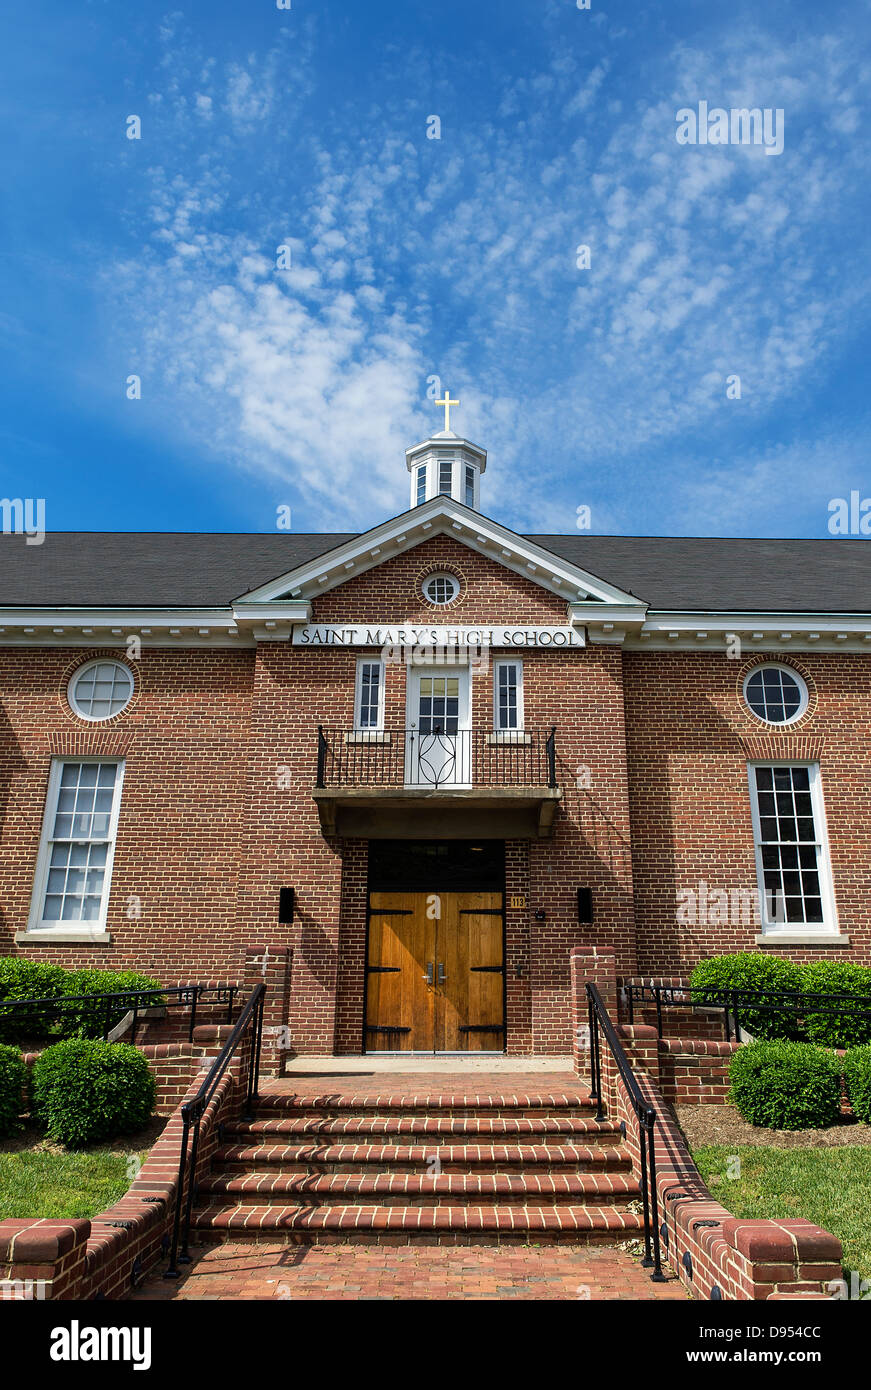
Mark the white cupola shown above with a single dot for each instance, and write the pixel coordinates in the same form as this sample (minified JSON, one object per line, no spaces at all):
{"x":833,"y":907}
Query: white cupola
{"x":446,"y":466}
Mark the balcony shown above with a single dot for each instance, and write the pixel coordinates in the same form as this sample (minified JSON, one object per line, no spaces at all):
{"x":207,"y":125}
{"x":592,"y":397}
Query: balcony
{"x":421,"y":783}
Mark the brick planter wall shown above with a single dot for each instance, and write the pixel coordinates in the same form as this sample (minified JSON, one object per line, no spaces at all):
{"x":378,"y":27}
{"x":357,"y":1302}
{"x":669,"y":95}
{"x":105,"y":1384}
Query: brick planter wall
{"x":742,"y":1258}
{"x":707,"y":1247}
{"x":106,"y":1255}
{"x":695,"y":1073}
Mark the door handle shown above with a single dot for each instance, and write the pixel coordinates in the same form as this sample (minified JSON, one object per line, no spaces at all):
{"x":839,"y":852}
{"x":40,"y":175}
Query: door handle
{"x":428,"y":975}
{"x":442,"y":976}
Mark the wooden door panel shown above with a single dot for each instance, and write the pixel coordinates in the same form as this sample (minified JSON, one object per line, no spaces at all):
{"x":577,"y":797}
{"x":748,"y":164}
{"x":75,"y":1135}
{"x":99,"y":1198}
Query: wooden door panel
{"x":486,"y":977}
{"x":469,"y":944}
{"x":399,"y":1000}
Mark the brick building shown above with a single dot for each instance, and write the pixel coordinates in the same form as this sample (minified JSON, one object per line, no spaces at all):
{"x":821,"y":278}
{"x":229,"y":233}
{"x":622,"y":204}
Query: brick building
{"x":432,"y":758}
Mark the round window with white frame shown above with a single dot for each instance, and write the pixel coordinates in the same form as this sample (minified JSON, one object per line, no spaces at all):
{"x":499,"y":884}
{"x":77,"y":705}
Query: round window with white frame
{"x":775,"y":694}
{"x":441,"y":589}
{"x":100,"y":689}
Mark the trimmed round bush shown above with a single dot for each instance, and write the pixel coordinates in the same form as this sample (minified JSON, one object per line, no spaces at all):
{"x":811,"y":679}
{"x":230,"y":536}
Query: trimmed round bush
{"x":13,"y":1077}
{"x":752,"y":970}
{"x":87,"y":1020}
{"x":837,"y":977}
{"x":857,"y":1072}
{"x":83,"y":1090}
{"x":786,"y":1085}
{"x":27,"y":979}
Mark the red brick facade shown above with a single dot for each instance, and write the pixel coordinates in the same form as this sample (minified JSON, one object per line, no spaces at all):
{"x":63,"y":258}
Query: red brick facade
{"x":217,"y":813}
{"x":689,"y":739}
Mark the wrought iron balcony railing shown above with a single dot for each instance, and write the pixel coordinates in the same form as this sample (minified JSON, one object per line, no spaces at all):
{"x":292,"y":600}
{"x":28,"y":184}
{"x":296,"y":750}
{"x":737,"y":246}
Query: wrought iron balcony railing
{"x":435,"y":759}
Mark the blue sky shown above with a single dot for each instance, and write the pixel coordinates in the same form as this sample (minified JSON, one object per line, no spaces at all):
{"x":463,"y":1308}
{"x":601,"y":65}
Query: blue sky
{"x":414,"y":257}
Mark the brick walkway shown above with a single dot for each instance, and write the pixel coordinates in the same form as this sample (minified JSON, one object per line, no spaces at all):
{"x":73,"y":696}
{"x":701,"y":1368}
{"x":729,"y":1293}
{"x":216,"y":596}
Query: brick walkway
{"x":410,"y":1272}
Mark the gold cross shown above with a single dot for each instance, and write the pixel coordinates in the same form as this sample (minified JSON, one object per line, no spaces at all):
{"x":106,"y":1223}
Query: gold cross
{"x":447,"y":403}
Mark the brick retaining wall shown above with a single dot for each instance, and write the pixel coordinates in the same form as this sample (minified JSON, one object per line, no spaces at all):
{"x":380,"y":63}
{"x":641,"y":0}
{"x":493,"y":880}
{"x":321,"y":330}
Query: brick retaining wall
{"x":706,"y":1246}
{"x":695,"y":1073}
{"x":108,"y":1255}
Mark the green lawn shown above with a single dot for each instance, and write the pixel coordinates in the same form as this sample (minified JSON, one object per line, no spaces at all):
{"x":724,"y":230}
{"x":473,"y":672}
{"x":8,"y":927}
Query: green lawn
{"x":61,"y":1184}
{"x":829,"y":1186}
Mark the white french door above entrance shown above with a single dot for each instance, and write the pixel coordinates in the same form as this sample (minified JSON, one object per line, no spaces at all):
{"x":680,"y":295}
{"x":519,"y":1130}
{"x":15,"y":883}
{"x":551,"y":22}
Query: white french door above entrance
{"x":438,"y":744}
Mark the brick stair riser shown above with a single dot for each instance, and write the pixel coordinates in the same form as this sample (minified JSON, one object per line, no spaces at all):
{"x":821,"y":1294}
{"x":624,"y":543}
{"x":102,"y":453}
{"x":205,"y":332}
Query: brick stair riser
{"x":605,"y":1160}
{"x":398,"y":1132}
{"x":452,"y":1225}
{"x":411,"y":1112}
{"x":413,"y":1199}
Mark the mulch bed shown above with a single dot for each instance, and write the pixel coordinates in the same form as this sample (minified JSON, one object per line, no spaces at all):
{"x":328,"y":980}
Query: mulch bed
{"x":32,"y":1139}
{"x":721,"y":1124}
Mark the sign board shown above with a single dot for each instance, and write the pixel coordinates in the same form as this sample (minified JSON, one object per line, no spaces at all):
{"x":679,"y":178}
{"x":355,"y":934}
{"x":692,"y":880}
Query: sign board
{"x":411,"y":635}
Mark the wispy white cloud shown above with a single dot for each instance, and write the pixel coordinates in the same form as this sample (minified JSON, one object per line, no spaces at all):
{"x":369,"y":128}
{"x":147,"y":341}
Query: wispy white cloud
{"x":458,"y":257}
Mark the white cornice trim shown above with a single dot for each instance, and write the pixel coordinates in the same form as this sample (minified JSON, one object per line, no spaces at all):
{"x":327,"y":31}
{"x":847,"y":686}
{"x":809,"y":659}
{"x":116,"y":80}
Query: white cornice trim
{"x":243,"y":625}
{"x":111,"y":627}
{"x":759,"y":632}
{"x":608,"y":624}
{"x":442,"y":516}
{"x":272,"y":620}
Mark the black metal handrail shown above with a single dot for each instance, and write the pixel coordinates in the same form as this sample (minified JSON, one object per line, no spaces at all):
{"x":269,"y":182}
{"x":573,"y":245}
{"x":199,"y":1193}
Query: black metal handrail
{"x":436,"y":758}
{"x":794,"y":1005}
{"x":250,"y":1022}
{"x":645,"y":1112}
{"x":113,"y":1005}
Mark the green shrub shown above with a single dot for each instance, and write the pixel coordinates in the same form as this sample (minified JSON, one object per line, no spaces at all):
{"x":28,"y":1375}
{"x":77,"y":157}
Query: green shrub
{"x":838,"y":977}
{"x":27,"y":979}
{"x":752,"y":970}
{"x":857,"y":1071}
{"x":786,"y":1085}
{"x":84,"y":1090}
{"x":13,"y":1077}
{"x":86,"y":1020}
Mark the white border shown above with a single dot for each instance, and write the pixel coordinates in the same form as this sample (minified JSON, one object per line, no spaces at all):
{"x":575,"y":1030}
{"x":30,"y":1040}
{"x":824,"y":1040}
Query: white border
{"x":800,"y":682}
{"x":358,"y":693}
{"x":829,"y":924}
{"x":441,"y":574}
{"x":96,"y":927}
{"x":497,"y":727}
{"x":79,"y":672}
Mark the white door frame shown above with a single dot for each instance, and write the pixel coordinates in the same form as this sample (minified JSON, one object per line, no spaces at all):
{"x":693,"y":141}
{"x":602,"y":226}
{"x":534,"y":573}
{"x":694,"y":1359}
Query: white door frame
{"x":444,"y":754}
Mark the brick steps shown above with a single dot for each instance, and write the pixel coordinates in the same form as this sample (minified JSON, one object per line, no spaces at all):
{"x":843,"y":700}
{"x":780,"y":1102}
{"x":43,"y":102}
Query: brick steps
{"x":434,"y":1128}
{"x":456,"y":1224}
{"x":516,"y":1105}
{"x":556,"y":1158}
{"x":421,"y":1189}
{"x":317,"y":1168}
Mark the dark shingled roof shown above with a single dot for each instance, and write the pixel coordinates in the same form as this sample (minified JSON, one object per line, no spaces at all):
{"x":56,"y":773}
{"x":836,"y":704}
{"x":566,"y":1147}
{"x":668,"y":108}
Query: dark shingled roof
{"x":96,"y":569}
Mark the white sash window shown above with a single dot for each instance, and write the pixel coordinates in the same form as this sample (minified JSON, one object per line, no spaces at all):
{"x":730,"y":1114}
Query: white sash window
{"x":370,"y":695}
{"x":792,"y":855}
{"x":74,"y":866}
{"x":507,"y":696}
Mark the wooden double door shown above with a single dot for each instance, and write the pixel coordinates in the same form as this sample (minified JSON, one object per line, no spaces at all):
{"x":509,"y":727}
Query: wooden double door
{"x":435,"y":973}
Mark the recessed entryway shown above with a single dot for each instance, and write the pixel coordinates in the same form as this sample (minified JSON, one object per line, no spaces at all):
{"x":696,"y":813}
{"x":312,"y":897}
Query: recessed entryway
{"x":435,"y":973}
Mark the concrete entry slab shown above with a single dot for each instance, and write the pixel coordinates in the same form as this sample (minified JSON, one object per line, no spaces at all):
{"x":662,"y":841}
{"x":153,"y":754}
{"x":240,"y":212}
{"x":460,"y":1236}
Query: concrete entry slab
{"x":394,"y":1064}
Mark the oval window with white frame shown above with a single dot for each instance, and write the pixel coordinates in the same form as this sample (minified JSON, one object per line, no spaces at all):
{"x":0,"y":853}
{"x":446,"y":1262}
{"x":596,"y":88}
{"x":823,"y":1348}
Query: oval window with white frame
{"x":775,"y":694}
{"x":441,"y":589}
{"x":100,"y":689}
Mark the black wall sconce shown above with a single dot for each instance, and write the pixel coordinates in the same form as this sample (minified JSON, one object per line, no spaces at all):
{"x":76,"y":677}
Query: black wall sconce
{"x":585,"y":905}
{"x":540,"y":915}
{"x":285,"y":905}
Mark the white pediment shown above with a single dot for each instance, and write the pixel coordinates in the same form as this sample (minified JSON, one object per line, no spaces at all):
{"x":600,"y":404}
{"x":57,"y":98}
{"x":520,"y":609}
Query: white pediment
{"x":442,"y":516}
